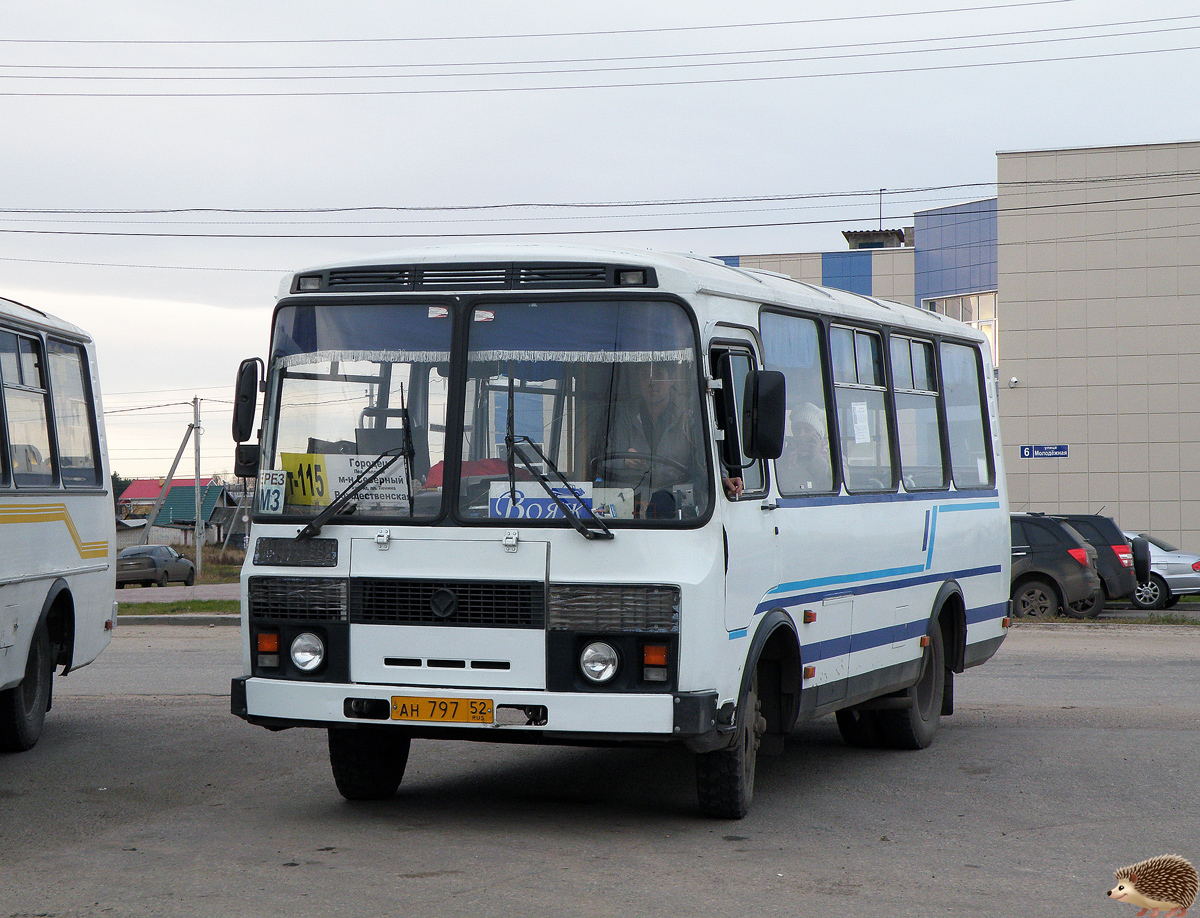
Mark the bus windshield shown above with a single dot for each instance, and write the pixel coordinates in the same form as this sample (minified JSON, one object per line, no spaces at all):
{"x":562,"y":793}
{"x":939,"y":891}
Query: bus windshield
{"x":600,"y":398}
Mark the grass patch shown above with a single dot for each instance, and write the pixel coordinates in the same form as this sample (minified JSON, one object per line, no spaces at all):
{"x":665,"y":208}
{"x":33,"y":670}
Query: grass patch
{"x":185,"y":607}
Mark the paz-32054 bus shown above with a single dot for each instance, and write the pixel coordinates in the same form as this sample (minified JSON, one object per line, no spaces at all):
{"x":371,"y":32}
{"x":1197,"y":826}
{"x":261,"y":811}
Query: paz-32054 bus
{"x":569,"y":495}
{"x":57,"y":520}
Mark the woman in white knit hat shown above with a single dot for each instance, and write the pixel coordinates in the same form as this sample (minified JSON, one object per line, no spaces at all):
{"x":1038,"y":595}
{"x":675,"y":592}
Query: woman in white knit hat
{"x":804,"y":465}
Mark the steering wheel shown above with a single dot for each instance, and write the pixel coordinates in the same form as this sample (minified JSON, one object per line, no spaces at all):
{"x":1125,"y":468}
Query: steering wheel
{"x":622,"y":471}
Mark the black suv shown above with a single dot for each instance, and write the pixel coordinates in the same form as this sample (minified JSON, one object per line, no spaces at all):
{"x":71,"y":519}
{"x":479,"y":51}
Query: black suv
{"x":1053,"y":567}
{"x":1114,"y":559}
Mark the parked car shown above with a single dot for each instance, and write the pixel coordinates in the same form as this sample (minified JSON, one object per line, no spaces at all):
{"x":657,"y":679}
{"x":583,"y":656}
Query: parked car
{"x":1053,"y":567}
{"x":153,"y":564}
{"x":1173,"y":573}
{"x":1114,"y":559}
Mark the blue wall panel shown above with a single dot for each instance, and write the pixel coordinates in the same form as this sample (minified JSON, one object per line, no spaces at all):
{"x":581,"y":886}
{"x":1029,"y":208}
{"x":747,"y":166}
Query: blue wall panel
{"x":955,"y":250}
{"x":847,"y":270}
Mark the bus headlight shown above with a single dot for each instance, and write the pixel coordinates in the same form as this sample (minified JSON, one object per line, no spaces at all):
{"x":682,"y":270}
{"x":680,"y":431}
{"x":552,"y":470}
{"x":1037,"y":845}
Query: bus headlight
{"x":308,"y":652}
{"x":598,"y":662}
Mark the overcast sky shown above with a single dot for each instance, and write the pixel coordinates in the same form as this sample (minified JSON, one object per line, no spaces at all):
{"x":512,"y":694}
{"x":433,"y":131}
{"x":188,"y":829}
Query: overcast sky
{"x":286,"y":134}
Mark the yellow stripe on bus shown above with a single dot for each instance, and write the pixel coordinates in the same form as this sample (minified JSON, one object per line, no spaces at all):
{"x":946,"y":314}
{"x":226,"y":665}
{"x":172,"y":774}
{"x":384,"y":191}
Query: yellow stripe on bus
{"x":52,"y":513}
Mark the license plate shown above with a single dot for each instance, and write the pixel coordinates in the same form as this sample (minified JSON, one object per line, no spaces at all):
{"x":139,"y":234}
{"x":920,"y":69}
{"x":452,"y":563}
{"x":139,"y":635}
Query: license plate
{"x":443,"y":710}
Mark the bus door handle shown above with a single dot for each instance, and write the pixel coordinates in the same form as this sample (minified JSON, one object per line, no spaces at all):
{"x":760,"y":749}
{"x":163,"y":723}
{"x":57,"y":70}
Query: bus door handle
{"x":768,"y":505}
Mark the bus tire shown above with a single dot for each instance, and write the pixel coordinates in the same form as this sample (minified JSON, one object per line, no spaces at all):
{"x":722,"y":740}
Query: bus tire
{"x":23,"y":707}
{"x":859,"y":728}
{"x":725,"y":777}
{"x":368,"y":764}
{"x":913,"y":727}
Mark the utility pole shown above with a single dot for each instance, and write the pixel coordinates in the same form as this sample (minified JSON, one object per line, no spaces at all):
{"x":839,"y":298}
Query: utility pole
{"x":162,"y":494}
{"x":881,"y":191}
{"x":199,"y":540}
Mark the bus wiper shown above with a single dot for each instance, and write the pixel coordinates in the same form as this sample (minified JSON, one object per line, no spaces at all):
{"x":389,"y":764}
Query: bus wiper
{"x":514,"y":451}
{"x":364,"y":478}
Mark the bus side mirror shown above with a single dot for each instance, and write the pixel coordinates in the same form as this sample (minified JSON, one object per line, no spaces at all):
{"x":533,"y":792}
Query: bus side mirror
{"x":1141,"y":559}
{"x":245,"y":460}
{"x":763,"y":414}
{"x":245,"y":399}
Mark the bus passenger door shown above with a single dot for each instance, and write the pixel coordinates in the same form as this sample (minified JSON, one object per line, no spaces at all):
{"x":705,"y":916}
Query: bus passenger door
{"x":751,"y":563}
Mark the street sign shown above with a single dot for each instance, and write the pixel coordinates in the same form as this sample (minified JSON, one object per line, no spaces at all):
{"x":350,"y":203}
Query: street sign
{"x":1043,"y":451}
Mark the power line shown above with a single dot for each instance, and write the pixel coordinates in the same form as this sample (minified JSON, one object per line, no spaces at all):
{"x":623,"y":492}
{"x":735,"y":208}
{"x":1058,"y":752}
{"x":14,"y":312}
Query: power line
{"x":574,"y":34}
{"x":325,"y":93}
{"x":183,"y":73}
{"x":512,"y":233}
{"x":870,"y":193}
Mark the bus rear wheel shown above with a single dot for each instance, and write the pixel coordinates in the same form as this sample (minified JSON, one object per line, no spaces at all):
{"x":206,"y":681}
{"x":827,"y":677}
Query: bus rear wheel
{"x":725,"y":778}
{"x":913,"y":727}
{"x":23,"y":707}
{"x":368,"y":762}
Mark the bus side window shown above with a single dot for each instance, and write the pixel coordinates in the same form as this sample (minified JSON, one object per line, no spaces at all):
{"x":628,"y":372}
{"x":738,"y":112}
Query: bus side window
{"x":26,"y":411}
{"x":792,"y":345}
{"x":861,"y":395}
{"x":970,"y":456}
{"x":732,"y":367}
{"x":918,"y":421}
{"x":74,"y":422}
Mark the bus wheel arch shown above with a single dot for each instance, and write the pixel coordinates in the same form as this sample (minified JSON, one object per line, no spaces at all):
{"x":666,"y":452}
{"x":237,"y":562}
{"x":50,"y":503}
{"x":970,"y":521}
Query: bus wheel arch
{"x":932,"y":696}
{"x":768,"y":705}
{"x":23,"y":707}
{"x":58,"y":612}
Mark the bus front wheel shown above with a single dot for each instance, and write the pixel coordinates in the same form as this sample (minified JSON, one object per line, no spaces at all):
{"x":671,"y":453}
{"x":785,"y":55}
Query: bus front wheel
{"x":725,"y":778}
{"x":23,"y":707}
{"x":368,"y":762}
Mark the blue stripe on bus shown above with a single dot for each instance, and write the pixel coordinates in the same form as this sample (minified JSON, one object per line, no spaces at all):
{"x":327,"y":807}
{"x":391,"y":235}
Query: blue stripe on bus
{"x":868,"y":640}
{"x":932,"y":537}
{"x":884,"y":587}
{"x":830,"y":500}
{"x":836,"y":647}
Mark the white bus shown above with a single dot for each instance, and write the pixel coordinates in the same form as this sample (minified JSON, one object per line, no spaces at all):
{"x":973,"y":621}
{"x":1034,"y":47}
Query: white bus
{"x":57,"y":520}
{"x":546,"y":494}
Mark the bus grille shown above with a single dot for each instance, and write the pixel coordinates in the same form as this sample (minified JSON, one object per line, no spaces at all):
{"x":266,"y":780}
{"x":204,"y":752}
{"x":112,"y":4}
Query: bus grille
{"x":476,"y":603}
{"x":310,"y":599}
{"x":614,"y":607}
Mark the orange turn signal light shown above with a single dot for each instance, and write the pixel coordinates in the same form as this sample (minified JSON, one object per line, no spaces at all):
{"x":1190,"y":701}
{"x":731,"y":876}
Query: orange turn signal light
{"x":268,"y":642}
{"x":925,"y":640}
{"x":809,"y":616}
{"x":654,"y":655}
{"x":809,"y":672}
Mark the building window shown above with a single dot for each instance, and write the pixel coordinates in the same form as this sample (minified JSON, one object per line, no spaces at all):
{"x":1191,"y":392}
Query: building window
{"x":975,"y":309}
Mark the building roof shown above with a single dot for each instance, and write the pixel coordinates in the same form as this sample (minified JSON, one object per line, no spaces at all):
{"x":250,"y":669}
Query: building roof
{"x":179,"y":507}
{"x":149,"y":488}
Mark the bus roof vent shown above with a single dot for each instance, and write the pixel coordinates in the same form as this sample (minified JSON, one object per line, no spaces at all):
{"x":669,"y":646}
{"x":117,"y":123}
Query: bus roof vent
{"x":371,"y":278}
{"x":558,"y":276}
{"x":464,"y":277}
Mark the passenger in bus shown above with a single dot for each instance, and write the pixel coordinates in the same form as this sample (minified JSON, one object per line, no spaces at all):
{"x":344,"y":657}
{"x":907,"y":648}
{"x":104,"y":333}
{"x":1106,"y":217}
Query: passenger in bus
{"x":660,"y":422}
{"x":805,"y":465}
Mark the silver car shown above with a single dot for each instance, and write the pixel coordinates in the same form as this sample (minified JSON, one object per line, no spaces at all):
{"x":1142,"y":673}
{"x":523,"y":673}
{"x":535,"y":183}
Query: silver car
{"x":1173,"y":573}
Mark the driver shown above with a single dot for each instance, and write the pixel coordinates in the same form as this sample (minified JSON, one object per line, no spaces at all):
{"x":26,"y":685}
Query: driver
{"x":657,"y":423}
{"x":661,"y":423}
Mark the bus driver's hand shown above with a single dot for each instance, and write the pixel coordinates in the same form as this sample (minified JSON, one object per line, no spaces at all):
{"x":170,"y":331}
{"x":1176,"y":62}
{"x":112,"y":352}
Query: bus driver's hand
{"x":733,"y":487}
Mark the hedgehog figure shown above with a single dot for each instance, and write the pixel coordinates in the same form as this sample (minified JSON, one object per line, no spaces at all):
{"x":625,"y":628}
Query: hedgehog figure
{"x":1166,"y":883}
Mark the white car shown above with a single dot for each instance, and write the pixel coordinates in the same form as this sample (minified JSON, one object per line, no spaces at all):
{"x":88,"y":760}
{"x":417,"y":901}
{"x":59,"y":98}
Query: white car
{"x":1173,"y":573}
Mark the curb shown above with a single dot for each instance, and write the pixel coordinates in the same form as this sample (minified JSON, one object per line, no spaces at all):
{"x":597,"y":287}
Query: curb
{"x":201,"y":621}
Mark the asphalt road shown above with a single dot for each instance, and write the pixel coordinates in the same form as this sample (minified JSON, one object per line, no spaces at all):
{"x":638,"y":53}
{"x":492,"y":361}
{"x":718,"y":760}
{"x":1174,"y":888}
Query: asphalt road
{"x":1071,"y":754}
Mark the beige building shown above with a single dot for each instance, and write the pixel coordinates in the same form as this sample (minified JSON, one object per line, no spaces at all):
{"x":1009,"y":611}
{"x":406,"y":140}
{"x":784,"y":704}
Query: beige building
{"x":1099,"y":326}
{"x":1085,"y":273}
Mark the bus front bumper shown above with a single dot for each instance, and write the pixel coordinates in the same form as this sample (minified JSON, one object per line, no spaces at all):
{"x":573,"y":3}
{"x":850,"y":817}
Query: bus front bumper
{"x":519,"y":716}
